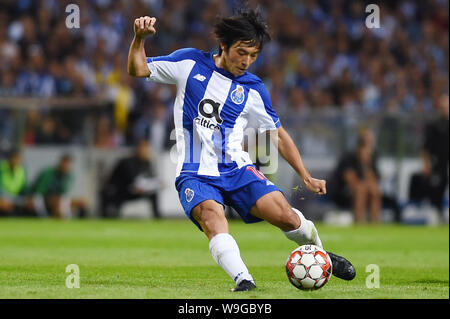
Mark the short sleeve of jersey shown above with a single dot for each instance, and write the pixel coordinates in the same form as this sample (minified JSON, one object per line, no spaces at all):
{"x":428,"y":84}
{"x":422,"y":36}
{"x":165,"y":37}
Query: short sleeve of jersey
{"x":170,"y":69}
{"x":262,"y":114}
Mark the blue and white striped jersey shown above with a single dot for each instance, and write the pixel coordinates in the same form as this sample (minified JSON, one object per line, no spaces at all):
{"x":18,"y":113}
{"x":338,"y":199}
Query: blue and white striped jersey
{"x":211,"y":111}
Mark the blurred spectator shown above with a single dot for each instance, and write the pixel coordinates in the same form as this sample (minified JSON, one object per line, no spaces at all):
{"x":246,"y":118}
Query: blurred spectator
{"x":13,"y":186}
{"x":106,"y":135}
{"x":326,"y":56}
{"x":47,"y":129}
{"x":154,"y":125}
{"x":355,"y":182}
{"x":132,"y":178}
{"x":431,"y":183}
{"x":51,"y":189}
{"x":6,"y":129}
{"x":46,"y":132}
{"x":124,"y":100}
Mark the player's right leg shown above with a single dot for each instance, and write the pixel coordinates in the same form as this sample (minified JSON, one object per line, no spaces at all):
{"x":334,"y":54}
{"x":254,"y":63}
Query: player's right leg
{"x":203,"y":203}
{"x":211,"y":217}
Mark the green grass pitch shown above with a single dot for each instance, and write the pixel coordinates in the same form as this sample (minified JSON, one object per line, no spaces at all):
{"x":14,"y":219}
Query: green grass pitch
{"x":170,"y":259}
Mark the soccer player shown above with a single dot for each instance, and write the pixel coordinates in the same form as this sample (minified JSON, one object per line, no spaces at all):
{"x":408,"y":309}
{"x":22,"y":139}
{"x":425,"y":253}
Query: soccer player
{"x":217,"y":98}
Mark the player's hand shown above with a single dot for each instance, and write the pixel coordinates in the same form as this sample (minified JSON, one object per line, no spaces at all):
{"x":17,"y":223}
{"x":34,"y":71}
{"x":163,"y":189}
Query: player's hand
{"x":144,"y":26}
{"x":317,"y":186}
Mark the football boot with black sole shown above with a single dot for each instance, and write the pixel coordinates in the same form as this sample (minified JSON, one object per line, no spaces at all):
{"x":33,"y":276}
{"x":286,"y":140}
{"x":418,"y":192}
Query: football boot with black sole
{"x":342,"y":268}
{"x":244,"y":285}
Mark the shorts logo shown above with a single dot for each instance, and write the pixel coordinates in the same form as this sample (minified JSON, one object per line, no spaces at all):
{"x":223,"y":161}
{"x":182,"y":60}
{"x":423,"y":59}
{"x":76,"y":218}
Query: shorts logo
{"x":238,"y":95}
{"x":189,"y":194}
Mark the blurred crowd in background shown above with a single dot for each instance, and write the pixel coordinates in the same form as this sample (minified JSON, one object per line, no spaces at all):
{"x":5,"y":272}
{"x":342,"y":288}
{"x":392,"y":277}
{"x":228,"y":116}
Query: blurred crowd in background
{"x":322,"y":56}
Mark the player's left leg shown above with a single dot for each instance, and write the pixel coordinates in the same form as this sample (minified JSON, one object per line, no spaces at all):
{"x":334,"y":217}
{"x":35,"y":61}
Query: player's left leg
{"x":274,"y":208}
{"x":255,"y":198}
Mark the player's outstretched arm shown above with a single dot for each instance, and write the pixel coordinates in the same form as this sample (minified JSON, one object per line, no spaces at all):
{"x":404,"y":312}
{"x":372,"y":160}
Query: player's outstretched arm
{"x":137,"y":59}
{"x":289,"y":151}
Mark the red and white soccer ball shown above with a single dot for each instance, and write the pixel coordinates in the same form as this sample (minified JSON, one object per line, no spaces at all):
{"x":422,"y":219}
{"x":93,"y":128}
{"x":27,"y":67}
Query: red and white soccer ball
{"x":308,"y":267}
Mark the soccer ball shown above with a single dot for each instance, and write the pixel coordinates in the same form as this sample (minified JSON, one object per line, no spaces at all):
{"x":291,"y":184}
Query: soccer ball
{"x":308,"y":267}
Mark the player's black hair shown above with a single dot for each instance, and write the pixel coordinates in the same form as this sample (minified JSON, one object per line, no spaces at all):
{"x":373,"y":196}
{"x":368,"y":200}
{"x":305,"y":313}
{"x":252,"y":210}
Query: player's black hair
{"x":247,"y":26}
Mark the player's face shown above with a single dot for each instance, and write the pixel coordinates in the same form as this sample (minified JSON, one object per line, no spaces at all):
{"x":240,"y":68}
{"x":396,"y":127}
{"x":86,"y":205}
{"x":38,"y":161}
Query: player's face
{"x":239,"y":57}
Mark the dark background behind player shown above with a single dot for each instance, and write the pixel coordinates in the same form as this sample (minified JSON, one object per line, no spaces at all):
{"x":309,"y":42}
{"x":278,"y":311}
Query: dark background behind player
{"x":328,"y":75}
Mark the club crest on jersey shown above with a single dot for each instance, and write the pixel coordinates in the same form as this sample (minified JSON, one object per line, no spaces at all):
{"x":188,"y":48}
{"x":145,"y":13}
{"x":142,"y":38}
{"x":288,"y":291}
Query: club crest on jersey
{"x":238,"y":95}
{"x":189,"y":194}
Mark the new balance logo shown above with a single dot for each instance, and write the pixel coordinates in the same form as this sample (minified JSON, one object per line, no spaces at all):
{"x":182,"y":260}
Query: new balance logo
{"x":200,"y":77}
